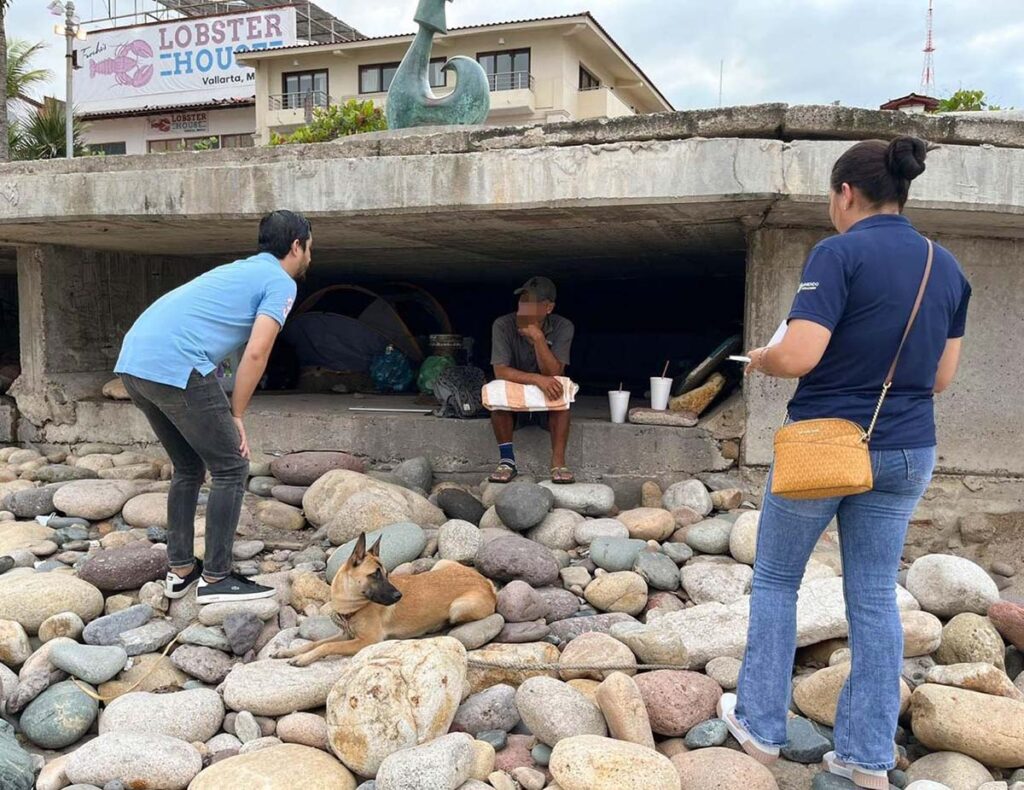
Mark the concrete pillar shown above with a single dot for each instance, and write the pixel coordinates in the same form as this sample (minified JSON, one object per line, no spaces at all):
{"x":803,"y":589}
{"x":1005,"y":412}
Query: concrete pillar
{"x":75,"y":306}
{"x":775,"y":258}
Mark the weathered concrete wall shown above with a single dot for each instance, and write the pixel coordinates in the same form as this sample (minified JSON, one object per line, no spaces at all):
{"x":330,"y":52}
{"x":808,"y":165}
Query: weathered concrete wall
{"x":75,"y":306}
{"x":977,"y":416}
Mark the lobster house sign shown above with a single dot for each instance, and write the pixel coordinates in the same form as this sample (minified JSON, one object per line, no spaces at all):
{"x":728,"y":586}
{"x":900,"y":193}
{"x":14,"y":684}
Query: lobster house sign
{"x":184,"y":61}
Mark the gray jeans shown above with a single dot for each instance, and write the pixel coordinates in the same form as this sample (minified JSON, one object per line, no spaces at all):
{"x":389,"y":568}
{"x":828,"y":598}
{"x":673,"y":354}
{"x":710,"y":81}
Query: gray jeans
{"x":196,"y":429}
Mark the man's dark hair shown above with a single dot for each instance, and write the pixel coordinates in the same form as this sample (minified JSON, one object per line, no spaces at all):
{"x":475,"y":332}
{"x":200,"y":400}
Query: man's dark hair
{"x":280,"y":229}
{"x":881,"y":171}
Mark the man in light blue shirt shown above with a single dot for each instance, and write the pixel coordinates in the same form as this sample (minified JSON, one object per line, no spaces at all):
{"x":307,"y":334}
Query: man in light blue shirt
{"x":167,"y":363}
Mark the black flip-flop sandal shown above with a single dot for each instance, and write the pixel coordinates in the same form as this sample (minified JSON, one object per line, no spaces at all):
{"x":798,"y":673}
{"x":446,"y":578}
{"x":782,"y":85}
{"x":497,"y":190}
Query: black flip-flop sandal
{"x":505,"y":473}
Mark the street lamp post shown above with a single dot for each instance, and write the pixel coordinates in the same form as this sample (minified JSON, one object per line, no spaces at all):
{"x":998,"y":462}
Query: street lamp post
{"x":70,"y":30}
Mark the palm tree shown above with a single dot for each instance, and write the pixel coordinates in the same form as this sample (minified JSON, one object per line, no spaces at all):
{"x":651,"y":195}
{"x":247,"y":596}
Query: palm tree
{"x":22,"y":77}
{"x":42,"y":134}
{"x":5,"y":153}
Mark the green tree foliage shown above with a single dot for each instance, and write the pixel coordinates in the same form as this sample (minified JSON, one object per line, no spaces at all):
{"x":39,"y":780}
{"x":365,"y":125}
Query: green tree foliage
{"x":42,"y":135}
{"x":338,"y":120}
{"x":22,"y":75}
{"x":966,"y":101}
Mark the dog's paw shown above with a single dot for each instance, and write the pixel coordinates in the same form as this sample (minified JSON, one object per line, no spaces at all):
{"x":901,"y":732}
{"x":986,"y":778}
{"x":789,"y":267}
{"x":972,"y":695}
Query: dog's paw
{"x":301,"y":661}
{"x":284,"y":653}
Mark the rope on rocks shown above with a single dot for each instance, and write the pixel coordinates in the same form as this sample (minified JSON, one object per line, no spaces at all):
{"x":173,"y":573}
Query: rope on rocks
{"x":527,"y":666}
{"x":100,"y":698}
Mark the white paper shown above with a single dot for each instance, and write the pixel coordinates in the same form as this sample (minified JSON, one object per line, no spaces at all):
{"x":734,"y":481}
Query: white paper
{"x":779,"y":334}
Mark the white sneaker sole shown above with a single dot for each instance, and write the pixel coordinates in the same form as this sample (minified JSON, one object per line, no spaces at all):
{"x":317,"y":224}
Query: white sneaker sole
{"x":229,"y":597}
{"x":766,"y":755}
{"x":859,"y":776}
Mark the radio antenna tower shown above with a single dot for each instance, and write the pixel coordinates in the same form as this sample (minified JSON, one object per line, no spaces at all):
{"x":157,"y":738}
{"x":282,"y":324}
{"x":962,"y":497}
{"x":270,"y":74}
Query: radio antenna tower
{"x":928,"y":74}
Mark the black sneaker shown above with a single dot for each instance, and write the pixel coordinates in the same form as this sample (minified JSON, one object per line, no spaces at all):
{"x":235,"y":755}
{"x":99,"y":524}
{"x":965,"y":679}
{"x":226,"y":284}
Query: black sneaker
{"x":176,"y":587}
{"x":232,"y":588}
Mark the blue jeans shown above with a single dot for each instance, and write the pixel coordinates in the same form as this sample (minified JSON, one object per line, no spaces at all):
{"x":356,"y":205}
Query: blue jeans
{"x":872,"y":528}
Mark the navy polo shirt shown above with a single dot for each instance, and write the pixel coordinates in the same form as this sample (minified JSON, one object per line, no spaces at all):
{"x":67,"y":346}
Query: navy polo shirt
{"x":861,"y":285}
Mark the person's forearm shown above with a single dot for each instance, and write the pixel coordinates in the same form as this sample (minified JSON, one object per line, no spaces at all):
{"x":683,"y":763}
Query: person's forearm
{"x":546,"y":361}
{"x":774,"y":362}
{"x":250,"y":371}
{"x":506,"y":373}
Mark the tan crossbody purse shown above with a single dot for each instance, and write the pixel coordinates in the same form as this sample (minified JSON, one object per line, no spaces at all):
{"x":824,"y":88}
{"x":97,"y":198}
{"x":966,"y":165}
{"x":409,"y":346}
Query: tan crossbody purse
{"x":817,"y":459}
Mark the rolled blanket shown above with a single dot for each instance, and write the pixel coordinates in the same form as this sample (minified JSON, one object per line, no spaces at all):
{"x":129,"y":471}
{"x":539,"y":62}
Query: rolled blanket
{"x":507,"y":396}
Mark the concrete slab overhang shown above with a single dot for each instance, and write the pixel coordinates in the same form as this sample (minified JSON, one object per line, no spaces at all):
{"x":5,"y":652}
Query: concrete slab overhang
{"x":676,"y":183}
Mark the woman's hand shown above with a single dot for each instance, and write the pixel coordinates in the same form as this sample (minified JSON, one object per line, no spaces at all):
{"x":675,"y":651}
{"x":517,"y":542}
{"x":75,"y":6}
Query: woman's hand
{"x":756,"y":360}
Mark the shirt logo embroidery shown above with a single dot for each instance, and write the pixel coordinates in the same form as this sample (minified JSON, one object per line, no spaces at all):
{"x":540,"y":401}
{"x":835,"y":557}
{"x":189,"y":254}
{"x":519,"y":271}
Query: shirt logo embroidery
{"x":807,"y":287}
{"x":288,"y":306}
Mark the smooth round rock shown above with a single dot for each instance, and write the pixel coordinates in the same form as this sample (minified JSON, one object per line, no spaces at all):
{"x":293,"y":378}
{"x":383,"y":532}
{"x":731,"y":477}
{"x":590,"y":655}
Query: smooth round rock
{"x":710,"y":536}
{"x":304,"y":469}
{"x":193,"y":715}
{"x":208,"y":664}
{"x":276,"y":767}
{"x":949,"y":769}
{"x":1008,"y":618}
{"x":947,"y":719}
{"x":586,"y":532}
{"x":273,"y":687}
{"x":461,"y":506}
{"x":518,"y":602}
{"x":707,"y":734}
{"x":66,"y":624}
{"x":514,"y":557}
{"x":306,"y":729}
{"x":95,"y":500}
{"x":648,"y":523}
{"x":602,"y":652}
{"x":289,"y":495}
{"x":718,"y":768}
{"x":277,"y":515}
{"x":557,"y":530}
{"x":708,"y":582}
{"x":553,"y":710}
{"x":399,"y":543}
{"x":146,"y":510}
{"x":487,"y":711}
{"x":743,"y":538}
{"x":478,"y":633}
{"x":591,"y":762}
{"x":93,"y":664}
{"x":618,"y":592}
{"x":458,"y":541}
{"x":689,"y":493}
{"x":14,"y":645}
{"x":444,"y":762}
{"x":805,"y":742}
{"x":416,"y":473}
{"x":970,"y":638}
{"x":31,"y":598}
{"x":522,"y":506}
{"x":725,"y":671}
{"x":588,"y":499}
{"x":59,"y":717}
{"x":946,"y":585}
{"x":616,"y":554}
{"x":922,"y":633}
{"x":658,"y":570}
{"x":677,"y":701}
{"x":125,"y":568}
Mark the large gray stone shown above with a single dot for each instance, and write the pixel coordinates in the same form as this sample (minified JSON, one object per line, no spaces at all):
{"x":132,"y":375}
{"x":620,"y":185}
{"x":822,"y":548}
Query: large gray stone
{"x":444,"y":763}
{"x":205,"y":663}
{"x":689,"y":493}
{"x":149,"y":638}
{"x":521,"y":506}
{"x":710,"y":536}
{"x":94,"y":499}
{"x":706,"y":582}
{"x":273,"y":687}
{"x":242,"y":630}
{"x":491,"y":709}
{"x":514,"y":557}
{"x":570,"y":628}
{"x":458,"y":541}
{"x":59,"y":717}
{"x":94,"y":664}
{"x":457,"y":504}
{"x":400,"y":543}
{"x":17,"y":771}
{"x":657,"y":570}
{"x":416,"y":473}
{"x":586,"y":532}
{"x":693,"y":637}
{"x":554,"y":710}
{"x":589,"y":499}
{"x":192,"y":715}
{"x":557,"y":530}
{"x":30,"y":502}
{"x":616,"y":554}
{"x":946,"y":585}
{"x":106,"y":630}
{"x":136,"y":759}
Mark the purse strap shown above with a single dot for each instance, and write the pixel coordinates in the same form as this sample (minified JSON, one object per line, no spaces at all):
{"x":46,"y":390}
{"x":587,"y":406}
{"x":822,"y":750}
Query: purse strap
{"x":906,"y":333}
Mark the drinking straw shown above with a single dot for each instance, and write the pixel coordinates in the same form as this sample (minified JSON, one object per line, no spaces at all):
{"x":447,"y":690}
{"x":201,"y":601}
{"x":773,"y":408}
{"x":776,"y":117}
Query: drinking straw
{"x":665,"y":371}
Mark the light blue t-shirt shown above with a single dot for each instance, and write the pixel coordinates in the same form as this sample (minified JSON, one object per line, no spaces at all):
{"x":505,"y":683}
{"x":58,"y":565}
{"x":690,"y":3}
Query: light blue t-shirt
{"x":196,"y":326}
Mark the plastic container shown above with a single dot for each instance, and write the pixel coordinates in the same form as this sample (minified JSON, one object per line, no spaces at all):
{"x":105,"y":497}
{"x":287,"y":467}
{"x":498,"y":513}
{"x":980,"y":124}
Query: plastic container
{"x":661,"y":390}
{"x":618,"y":402}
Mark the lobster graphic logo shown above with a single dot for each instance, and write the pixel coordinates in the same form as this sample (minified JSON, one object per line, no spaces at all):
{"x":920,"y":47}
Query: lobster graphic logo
{"x":125,"y":65}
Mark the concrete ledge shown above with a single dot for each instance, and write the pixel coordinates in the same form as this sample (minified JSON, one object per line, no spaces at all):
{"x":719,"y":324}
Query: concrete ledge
{"x":8,"y":419}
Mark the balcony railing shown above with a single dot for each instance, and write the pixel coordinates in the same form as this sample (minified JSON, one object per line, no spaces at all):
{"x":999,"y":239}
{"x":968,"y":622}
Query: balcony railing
{"x":511,"y":81}
{"x":306,"y":100}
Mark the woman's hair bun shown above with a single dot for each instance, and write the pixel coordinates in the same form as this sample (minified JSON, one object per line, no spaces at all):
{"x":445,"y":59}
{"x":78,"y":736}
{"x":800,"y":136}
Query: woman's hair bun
{"x":905,"y":157}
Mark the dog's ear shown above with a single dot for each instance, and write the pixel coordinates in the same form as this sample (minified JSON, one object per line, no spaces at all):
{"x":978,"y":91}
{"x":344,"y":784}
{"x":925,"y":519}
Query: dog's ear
{"x":359,"y":552}
{"x":375,"y":549}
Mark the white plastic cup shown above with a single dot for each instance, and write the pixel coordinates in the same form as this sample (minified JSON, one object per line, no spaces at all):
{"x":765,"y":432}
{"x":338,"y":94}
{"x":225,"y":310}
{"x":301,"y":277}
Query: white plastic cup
{"x":618,"y":401}
{"x":661,"y":389}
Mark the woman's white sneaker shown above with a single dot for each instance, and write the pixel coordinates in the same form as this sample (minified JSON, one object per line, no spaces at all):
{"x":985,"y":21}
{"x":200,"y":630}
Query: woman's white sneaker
{"x":766,"y":755}
{"x":861,"y":777}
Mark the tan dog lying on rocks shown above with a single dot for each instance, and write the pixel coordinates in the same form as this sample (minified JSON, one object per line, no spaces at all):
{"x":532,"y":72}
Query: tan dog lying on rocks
{"x":375,"y":608}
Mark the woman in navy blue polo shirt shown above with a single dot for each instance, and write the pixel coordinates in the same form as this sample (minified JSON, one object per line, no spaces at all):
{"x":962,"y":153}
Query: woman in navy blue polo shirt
{"x":850,"y":312}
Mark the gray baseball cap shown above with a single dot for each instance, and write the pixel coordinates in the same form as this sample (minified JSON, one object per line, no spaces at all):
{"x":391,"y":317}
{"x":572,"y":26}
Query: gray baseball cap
{"x":540,"y":288}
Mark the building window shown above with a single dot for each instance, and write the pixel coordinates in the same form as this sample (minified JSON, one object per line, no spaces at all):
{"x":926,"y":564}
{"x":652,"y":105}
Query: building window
{"x":108,"y":149}
{"x":507,"y":71}
{"x":208,"y":142}
{"x":588,"y":82}
{"x":378,"y":77}
{"x":236,"y":141}
{"x":302,"y":87}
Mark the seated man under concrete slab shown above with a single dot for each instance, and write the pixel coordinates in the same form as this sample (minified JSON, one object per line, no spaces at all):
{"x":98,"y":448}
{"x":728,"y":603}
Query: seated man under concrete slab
{"x":531,"y":347}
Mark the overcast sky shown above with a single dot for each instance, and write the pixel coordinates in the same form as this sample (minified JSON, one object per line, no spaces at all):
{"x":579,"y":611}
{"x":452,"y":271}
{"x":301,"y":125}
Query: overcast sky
{"x":859,"y":52}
